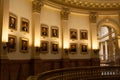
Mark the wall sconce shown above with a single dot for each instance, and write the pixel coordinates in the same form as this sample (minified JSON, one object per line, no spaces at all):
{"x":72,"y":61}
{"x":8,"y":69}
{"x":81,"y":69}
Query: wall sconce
{"x":38,"y":49}
{"x":66,"y":51}
{"x":6,"y":46}
{"x":96,"y":51}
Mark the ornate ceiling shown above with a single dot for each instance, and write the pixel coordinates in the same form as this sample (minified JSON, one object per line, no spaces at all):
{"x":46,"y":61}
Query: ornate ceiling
{"x":90,"y":4}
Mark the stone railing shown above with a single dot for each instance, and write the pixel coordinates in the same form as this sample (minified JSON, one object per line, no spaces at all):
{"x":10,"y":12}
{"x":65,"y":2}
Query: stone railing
{"x":82,"y":73}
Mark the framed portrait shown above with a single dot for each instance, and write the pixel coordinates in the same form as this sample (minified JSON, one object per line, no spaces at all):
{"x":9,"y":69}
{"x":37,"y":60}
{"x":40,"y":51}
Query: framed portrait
{"x":44,"y":30}
{"x":84,"y":48}
{"x":54,"y":47}
{"x":54,"y":31}
{"x":83,"y":34}
{"x":25,"y":25}
{"x":24,"y":45}
{"x":73,"y":48}
{"x":44,"y":46}
{"x":12,"y":21}
{"x":73,"y":34}
{"x":12,"y":42}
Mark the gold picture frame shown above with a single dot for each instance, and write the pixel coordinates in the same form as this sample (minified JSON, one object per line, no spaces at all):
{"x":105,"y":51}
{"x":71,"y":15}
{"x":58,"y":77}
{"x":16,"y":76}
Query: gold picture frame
{"x":24,"y":25}
{"x":12,"y":40}
{"x":84,"y":34}
{"x":44,"y":46}
{"x":24,"y":45}
{"x":12,"y":21}
{"x":54,"y":47}
{"x":84,"y":48}
{"x":44,"y":30}
{"x":73,"y":34}
{"x":54,"y":32}
{"x":73,"y":48}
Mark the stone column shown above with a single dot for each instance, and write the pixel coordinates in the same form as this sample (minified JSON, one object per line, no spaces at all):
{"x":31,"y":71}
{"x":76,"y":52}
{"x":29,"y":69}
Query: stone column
{"x":117,"y":49}
{"x":119,"y":15}
{"x":117,"y":55}
{"x":106,"y":50}
{"x":65,"y":31}
{"x":101,"y":49}
{"x":36,"y":9}
{"x":103,"y":45}
{"x":110,"y":42}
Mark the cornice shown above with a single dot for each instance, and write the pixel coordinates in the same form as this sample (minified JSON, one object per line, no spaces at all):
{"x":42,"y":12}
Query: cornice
{"x":90,"y":4}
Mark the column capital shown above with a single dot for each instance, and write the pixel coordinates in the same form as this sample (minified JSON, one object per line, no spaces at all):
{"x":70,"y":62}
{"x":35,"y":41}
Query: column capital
{"x":65,"y":13}
{"x":36,"y":5}
{"x":93,"y":17}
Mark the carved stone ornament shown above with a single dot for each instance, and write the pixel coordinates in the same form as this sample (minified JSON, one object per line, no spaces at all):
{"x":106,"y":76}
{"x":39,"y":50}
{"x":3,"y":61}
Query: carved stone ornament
{"x":36,"y":5}
{"x":93,"y":17}
{"x":65,"y":13}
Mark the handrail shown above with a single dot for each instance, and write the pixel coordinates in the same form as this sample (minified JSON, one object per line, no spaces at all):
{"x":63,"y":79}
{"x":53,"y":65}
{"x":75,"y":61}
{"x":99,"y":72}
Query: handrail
{"x":86,"y":73}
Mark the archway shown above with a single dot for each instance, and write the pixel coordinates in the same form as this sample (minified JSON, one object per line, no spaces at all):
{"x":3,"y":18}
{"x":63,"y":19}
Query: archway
{"x":108,"y":32}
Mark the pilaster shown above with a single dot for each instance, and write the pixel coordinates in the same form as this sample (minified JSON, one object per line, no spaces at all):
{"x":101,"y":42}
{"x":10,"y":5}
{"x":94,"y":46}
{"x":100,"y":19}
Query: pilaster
{"x":65,"y":30}
{"x":1,"y":17}
{"x":36,"y":9}
{"x":93,"y":33}
{"x":4,"y":19}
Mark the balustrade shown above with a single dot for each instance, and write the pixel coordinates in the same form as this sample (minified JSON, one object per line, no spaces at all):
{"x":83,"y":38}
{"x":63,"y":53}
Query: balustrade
{"x":82,"y":73}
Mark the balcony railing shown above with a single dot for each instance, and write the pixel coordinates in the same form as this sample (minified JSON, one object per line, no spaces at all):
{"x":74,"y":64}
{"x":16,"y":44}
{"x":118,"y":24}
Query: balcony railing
{"x":82,"y":73}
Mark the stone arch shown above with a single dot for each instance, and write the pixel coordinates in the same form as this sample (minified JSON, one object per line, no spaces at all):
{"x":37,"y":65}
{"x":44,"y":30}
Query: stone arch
{"x":111,"y":23}
{"x":116,"y":26}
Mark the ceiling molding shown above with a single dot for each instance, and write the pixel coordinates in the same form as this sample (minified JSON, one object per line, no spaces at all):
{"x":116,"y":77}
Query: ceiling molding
{"x":90,"y":4}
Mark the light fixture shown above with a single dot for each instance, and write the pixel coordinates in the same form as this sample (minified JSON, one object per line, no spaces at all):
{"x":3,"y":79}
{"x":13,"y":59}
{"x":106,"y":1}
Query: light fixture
{"x":96,"y":51}
{"x":38,"y":49}
{"x":6,"y":46}
{"x":66,"y":51}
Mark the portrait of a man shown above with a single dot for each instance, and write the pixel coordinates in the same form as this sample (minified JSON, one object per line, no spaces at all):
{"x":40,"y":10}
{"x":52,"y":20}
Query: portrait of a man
{"x":44,"y":46}
{"x":73,"y":34}
{"x":54,"y":31}
{"x":73,"y":48}
{"x":24,"y":45}
{"x":84,"y":48}
{"x":24,"y":25}
{"x":84,"y":34}
{"x":12,"y":21}
{"x":54,"y":47}
{"x":12,"y":42}
{"x":44,"y":30}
